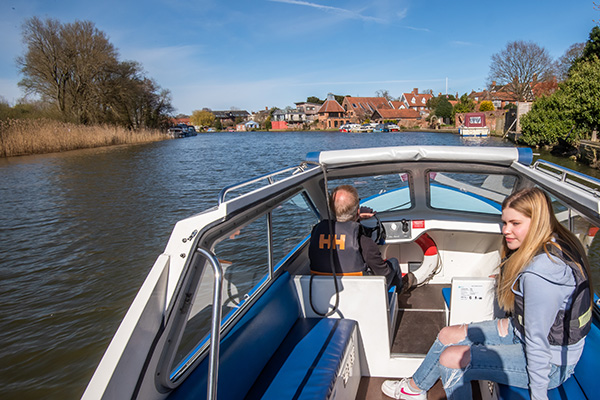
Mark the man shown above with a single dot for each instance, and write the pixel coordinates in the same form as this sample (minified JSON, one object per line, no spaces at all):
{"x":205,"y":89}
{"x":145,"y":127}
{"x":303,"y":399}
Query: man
{"x":354,"y":253}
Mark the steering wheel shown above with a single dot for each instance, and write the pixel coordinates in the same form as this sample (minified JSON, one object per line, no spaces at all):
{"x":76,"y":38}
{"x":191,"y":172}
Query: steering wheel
{"x":378,"y":230}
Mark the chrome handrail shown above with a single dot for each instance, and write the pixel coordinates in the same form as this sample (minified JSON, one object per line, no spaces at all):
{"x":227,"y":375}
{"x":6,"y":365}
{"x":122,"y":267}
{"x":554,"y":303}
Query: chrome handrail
{"x":215,"y":329}
{"x":268,"y":176}
{"x":562,"y":173}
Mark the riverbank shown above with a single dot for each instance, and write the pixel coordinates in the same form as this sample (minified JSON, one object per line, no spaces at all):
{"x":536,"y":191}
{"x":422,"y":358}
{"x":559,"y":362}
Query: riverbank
{"x":27,"y":137}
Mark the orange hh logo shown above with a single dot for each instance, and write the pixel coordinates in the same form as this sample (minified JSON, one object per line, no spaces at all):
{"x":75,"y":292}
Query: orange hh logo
{"x":325,"y":241}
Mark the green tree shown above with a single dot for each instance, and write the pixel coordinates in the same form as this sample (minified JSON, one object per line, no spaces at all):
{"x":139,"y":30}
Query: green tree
{"x":443,"y":108}
{"x":592,"y":46}
{"x":465,"y":104}
{"x":486,"y":105}
{"x":315,"y":100}
{"x":570,"y":113}
{"x":202,"y":118}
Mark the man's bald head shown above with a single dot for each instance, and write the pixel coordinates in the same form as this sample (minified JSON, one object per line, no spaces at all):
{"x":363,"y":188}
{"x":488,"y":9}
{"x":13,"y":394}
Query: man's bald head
{"x":344,"y":203}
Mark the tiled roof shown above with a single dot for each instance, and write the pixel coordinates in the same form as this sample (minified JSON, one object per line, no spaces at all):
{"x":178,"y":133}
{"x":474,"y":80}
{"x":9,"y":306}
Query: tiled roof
{"x":397,"y":114}
{"x":231,"y":113}
{"x":331,"y":106}
{"x":368,"y":104}
{"x":420,"y":100}
{"x":545,"y":88}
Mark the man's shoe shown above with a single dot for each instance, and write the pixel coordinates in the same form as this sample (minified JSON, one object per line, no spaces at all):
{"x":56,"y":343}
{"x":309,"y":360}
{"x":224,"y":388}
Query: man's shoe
{"x":402,"y":390}
{"x":408,"y":282}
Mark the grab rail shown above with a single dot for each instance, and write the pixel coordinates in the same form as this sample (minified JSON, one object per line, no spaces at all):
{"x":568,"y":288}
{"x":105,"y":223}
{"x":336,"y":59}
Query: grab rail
{"x":215,"y":329}
{"x":268,"y":176}
{"x":584,"y":182}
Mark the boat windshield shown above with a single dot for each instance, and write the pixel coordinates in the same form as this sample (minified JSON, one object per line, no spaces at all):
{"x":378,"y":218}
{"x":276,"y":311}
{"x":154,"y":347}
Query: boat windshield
{"x":471,"y":192}
{"x":380,"y":192}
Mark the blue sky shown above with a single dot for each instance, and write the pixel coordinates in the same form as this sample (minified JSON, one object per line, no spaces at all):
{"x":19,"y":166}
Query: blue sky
{"x":252,"y":54}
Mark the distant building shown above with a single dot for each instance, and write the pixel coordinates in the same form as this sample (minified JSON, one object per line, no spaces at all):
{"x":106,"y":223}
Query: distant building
{"x":310,"y":110}
{"x":229,"y":117}
{"x":360,"y":108}
{"x":331,"y":114}
{"x":180,"y":120}
{"x":402,"y":117}
{"x":415,"y":101}
{"x":247,"y":126}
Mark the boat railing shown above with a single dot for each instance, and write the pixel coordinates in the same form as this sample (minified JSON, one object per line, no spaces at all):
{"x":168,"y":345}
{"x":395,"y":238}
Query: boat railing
{"x":569,"y":176}
{"x":215,"y":329}
{"x":270,"y":178}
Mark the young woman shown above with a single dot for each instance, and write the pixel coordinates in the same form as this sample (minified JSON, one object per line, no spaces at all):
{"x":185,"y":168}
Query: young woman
{"x":544,"y":287}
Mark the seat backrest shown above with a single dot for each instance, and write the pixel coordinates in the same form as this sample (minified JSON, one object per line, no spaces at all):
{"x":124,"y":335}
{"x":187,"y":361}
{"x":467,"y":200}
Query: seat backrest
{"x":472,"y":300}
{"x":588,"y":366}
{"x":249,"y":345}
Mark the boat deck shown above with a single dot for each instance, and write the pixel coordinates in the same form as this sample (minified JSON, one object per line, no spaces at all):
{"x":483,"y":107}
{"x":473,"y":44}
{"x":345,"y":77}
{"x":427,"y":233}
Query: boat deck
{"x":423,"y":308}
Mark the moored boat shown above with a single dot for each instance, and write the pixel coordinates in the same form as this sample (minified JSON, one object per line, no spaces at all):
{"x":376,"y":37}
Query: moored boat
{"x":278,"y":332}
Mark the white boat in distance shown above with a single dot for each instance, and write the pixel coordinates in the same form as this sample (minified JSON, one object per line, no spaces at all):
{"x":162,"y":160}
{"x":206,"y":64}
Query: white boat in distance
{"x":278,"y":333}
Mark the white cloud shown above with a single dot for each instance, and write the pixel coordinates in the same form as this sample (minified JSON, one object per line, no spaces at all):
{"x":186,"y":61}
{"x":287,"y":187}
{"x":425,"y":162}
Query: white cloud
{"x":413,"y":28}
{"x":463,"y":44}
{"x":340,"y":11}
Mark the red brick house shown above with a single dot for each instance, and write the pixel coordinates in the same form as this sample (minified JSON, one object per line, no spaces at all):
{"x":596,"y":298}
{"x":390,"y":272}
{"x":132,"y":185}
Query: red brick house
{"x":403,"y":117}
{"x":331,"y":114}
{"x":414,"y":101}
{"x":359,"y":108}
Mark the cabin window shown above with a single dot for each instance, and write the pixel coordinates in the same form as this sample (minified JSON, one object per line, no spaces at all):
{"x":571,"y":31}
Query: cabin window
{"x":587,"y":233}
{"x":482,"y":193}
{"x":291,"y":223}
{"x":382,"y":192}
{"x":244,"y":257}
{"x":246,"y":261}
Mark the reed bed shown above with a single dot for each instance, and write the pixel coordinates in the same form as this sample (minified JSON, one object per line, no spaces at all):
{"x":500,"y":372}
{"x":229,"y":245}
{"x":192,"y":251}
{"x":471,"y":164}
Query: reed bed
{"x":25,"y":137}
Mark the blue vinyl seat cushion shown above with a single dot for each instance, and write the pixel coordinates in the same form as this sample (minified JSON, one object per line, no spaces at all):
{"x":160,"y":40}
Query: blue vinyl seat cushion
{"x":306,"y":364}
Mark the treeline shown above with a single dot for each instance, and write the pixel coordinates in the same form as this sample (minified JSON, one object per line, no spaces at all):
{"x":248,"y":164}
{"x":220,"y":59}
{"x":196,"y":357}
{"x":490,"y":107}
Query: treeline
{"x":73,"y":72}
{"x":573,"y":111}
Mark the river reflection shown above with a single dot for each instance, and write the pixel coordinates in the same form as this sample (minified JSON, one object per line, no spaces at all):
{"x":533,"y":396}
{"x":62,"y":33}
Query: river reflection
{"x":79,"y":232}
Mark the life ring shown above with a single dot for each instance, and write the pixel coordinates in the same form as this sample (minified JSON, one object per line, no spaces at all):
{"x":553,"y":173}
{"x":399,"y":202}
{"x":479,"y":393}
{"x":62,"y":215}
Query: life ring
{"x":430,"y":259}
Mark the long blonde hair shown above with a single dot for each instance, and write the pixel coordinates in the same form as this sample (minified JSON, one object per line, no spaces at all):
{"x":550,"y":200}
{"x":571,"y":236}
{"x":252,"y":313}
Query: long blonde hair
{"x":535,"y":204}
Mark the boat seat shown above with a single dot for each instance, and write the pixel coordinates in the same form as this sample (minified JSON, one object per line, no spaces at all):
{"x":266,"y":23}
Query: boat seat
{"x":307,"y":363}
{"x":272,"y":352}
{"x":583,"y":384}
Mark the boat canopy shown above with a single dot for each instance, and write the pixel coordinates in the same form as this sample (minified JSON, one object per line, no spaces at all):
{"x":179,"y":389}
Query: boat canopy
{"x":494,"y":155}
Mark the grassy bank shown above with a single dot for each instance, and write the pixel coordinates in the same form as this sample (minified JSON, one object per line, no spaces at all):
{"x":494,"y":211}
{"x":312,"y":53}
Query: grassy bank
{"x":24,"y":137}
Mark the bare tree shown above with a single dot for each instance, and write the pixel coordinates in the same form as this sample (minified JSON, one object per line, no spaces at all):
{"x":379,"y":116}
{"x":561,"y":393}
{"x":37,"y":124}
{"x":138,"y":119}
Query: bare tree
{"x":74,"y":67}
{"x":62,"y":63}
{"x":564,"y":63}
{"x":519,"y":65}
{"x":383,"y":93}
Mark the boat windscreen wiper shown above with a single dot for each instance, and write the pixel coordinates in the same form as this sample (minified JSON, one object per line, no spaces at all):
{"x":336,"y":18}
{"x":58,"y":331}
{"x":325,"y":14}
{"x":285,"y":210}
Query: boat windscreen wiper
{"x":398,"y":207}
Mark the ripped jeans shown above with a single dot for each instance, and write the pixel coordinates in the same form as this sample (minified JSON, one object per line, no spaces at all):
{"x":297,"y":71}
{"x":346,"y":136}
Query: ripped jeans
{"x":493,"y":357}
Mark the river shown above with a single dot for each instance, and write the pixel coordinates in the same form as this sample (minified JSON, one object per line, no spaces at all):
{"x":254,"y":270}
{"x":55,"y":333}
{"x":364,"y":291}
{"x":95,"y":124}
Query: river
{"x":80,"y":230}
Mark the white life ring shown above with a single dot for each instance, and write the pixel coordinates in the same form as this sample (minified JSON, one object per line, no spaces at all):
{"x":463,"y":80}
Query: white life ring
{"x":430,"y":258}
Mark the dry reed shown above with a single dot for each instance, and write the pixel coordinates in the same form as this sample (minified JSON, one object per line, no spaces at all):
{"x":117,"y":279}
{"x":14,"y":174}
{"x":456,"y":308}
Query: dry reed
{"x":24,"y":137}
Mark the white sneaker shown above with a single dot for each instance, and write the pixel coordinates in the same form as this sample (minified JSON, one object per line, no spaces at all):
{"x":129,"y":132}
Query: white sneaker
{"x":402,"y":390}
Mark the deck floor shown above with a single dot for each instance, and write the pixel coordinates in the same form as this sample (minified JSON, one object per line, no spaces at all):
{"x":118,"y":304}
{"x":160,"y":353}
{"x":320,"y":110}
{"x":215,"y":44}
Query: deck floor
{"x":421,"y":315}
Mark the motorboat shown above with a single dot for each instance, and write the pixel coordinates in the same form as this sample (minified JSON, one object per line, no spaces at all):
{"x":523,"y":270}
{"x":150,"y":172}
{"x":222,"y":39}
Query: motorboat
{"x":474,"y":125}
{"x":230,"y":310}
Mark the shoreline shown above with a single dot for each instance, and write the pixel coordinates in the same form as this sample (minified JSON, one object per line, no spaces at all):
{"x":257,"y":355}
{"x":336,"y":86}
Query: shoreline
{"x":35,"y":137}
